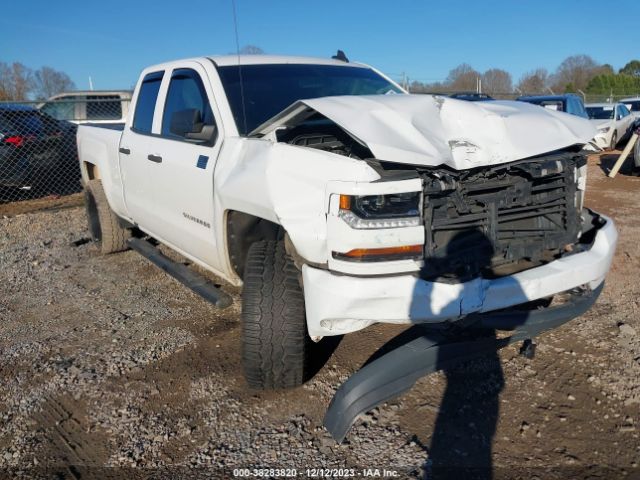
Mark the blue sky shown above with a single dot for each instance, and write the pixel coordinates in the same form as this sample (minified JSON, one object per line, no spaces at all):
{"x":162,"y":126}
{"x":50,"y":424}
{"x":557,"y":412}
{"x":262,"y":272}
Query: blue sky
{"x":112,"y":41}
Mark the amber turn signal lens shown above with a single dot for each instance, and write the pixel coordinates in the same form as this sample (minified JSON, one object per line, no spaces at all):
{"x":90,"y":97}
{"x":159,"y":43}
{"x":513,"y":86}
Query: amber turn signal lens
{"x":389,"y":253}
{"x":345,"y":202}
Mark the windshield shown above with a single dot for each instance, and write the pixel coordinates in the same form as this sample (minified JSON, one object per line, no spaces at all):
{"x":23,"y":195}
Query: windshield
{"x":269,"y":89}
{"x":549,"y":104}
{"x":600,"y":113}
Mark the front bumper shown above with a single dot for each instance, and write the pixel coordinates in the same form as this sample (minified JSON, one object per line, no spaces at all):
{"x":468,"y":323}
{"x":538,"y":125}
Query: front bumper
{"x":338,"y":304}
{"x":603,"y":140}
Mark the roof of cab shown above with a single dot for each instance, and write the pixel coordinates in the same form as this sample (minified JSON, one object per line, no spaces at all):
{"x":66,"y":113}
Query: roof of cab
{"x":227,"y":60}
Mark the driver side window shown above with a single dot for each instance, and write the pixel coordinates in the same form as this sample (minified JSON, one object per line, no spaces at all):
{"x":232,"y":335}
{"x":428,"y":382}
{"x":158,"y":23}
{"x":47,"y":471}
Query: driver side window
{"x":186,"y":92}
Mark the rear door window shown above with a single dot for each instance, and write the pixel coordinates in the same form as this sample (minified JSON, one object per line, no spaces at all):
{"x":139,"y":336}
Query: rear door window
{"x":146,"y":102}
{"x":553,"y":105}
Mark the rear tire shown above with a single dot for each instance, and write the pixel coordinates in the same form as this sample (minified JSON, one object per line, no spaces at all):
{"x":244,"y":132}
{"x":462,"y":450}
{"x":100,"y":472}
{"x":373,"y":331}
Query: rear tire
{"x":104,"y":226}
{"x":275,"y":341}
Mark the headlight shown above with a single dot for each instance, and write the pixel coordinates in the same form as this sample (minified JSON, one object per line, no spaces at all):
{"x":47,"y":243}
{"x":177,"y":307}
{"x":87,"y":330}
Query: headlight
{"x":604,"y":129}
{"x":381,"y":211}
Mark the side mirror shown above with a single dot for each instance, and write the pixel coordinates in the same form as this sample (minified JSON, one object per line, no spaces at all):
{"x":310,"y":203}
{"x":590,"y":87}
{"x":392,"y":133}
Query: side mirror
{"x":188,"y":124}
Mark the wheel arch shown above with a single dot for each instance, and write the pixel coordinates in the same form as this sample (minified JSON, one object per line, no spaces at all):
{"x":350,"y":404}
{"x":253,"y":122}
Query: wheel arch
{"x":241,"y":231}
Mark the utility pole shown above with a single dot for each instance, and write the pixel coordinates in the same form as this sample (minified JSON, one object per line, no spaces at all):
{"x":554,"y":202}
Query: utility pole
{"x":90,"y":83}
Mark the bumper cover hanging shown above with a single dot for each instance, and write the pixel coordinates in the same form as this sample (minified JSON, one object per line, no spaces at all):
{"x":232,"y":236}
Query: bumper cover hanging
{"x":422,"y":351}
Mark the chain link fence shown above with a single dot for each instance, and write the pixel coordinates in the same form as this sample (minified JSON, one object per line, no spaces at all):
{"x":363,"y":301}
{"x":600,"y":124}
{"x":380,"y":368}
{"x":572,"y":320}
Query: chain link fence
{"x":38,"y":151}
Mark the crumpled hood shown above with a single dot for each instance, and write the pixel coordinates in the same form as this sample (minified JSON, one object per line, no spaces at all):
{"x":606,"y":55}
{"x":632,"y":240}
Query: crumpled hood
{"x":432,"y":130}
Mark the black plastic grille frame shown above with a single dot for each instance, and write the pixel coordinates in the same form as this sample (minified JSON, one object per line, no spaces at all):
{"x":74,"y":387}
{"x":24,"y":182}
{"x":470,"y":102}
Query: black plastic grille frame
{"x":497,"y":220}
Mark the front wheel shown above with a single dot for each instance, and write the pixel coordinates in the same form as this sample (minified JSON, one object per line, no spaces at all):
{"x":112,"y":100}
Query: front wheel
{"x":614,"y":140}
{"x":275,"y":341}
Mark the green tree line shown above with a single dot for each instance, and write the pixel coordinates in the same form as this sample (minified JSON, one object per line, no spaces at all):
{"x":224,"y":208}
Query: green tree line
{"x":575,"y":74}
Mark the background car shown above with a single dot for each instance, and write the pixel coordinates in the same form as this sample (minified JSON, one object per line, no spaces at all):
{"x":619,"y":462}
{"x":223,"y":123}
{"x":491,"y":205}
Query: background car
{"x":35,"y":149}
{"x":613,"y":121}
{"x":568,"y":103}
{"x":93,"y":106}
{"x":633,"y":104}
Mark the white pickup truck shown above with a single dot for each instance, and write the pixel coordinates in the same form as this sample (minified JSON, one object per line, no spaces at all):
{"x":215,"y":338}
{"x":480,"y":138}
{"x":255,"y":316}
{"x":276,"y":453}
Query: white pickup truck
{"x":337,"y":200}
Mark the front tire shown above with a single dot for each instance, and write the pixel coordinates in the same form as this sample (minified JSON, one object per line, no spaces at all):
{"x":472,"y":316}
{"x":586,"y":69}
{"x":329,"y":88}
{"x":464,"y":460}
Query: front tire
{"x":104,"y":226}
{"x":614,"y":141}
{"x":275,"y":341}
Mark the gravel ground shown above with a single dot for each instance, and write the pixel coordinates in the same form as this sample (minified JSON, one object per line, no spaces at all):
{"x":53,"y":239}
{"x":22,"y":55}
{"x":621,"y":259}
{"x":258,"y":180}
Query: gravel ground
{"x":110,"y":368}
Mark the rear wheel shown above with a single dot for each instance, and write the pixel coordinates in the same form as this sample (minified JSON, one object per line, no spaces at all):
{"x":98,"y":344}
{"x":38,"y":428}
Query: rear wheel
{"x":104,"y":226}
{"x":275,"y":340}
{"x":614,"y":141}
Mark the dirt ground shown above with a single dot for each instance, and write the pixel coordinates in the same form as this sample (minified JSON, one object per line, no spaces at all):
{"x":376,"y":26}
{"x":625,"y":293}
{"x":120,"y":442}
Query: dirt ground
{"x":111,"y":369}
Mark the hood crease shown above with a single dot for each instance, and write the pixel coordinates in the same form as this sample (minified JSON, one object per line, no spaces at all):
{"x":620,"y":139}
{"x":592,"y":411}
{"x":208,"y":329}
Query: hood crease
{"x":431,"y":130}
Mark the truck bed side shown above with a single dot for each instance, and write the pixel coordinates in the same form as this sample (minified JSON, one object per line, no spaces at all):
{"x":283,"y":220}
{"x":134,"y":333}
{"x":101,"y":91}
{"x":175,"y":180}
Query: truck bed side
{"x":99,"y":159}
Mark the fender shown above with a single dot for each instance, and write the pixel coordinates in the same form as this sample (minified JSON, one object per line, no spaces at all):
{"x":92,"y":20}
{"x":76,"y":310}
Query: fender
{"x":286,"y":185}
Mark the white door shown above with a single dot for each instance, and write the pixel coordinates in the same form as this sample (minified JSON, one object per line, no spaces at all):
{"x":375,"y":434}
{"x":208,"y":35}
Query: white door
{"x":180,"y":166}
{"x":136,"y":169}
{"x":626,"y":117}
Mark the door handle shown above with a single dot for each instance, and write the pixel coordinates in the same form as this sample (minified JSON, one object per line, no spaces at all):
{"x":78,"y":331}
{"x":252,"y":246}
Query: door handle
{"x":155,"y":158}
{"x":126,"y":151}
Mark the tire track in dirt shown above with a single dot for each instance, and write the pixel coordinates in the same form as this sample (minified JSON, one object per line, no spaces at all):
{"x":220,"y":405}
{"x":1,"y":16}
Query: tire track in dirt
{"x":71,"y":445}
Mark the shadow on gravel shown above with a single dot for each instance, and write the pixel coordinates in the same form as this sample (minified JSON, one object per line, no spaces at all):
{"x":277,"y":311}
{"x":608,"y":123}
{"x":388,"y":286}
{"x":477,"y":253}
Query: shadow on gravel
{"x":462,"y":436}
{"x":462,"y":439}
{"x":321,"y":353}
{"x":607,"y":161}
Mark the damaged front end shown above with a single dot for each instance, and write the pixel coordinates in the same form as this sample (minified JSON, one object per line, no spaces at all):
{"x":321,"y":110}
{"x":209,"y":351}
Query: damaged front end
{"x":499,"y":220}
{"x":476,"y":225}
{"x":468,"y":214}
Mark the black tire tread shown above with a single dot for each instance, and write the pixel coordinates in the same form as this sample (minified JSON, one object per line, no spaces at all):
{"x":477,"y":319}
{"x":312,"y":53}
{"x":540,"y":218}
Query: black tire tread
{"x":113,"y":236}
{"x":275,"y":340}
